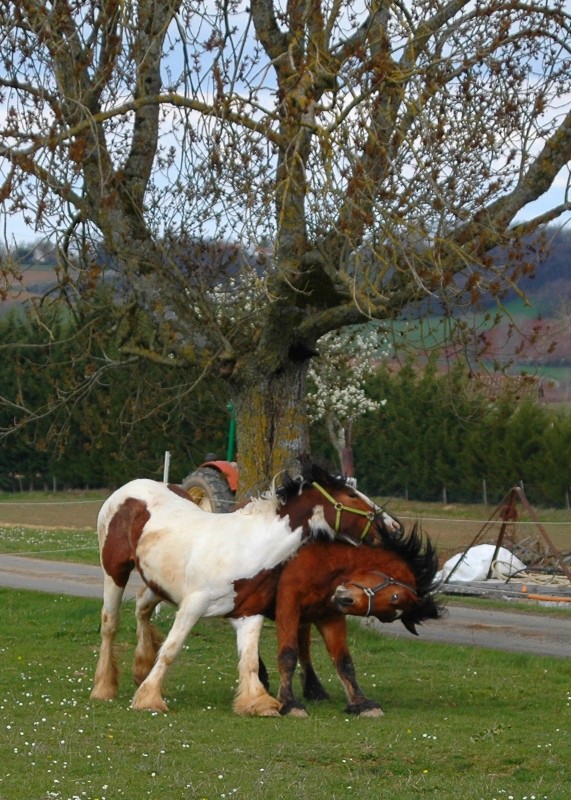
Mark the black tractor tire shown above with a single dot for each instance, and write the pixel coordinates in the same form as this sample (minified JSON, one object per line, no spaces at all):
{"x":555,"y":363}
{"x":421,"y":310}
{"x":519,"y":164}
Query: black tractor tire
{"x":209,"y":489}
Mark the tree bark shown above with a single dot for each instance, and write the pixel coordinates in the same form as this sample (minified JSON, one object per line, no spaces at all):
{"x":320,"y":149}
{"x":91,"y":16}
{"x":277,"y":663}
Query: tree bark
{"x":272,"y":426}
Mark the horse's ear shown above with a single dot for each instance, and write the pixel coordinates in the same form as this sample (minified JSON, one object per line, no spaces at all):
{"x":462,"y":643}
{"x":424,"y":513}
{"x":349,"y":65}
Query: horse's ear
{"x":289,"y":486}
{"x":314,"y":472}
{"x":307,"y":469}
{"x":311,"y":472}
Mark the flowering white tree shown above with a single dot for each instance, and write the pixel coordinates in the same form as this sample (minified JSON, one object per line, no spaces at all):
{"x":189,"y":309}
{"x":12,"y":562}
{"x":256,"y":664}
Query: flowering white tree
{"x":337,"y":380}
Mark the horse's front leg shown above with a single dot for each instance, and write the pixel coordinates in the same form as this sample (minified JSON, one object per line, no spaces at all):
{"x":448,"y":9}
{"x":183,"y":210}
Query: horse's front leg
{"x":287,"y":624}
{"x":149,"y":638}
{"x":251,"y":699}
{"x":334,"y":632}
{"x":312,"y":687}
{"x":148,"y":696}
{"x":106,"y":680}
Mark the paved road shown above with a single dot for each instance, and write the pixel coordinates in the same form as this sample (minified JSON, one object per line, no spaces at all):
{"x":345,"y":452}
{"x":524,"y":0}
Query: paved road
{"x":501,"y":630}
{"x":56,"y":577}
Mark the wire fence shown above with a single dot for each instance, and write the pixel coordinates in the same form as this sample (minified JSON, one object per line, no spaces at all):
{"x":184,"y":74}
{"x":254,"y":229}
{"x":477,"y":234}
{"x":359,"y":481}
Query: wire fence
{"x":523,"y":536}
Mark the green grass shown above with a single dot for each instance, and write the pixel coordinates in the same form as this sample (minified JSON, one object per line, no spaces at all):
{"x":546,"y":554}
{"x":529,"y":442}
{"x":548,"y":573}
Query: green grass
{"x":514,"y":606}
{"x":459,"y":722}
{"x":79,"y":546}
{"x":417,"y":509}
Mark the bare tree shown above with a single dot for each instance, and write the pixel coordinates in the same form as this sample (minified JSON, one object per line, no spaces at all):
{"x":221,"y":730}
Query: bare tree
{"x":354,"y":160}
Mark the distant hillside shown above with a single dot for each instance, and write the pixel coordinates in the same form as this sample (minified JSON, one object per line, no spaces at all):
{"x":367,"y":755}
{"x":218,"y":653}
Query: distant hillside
{"x":536,"y":336}
{"x":35,"y":281}
{"x":549,"y":286}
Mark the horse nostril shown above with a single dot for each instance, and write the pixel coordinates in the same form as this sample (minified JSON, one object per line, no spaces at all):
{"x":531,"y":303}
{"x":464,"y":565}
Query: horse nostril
{"x":342,"y":596}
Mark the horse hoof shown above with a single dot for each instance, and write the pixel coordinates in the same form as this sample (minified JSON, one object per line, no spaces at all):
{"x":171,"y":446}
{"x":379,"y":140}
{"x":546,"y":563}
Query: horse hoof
{"x":269,"y":712}
{"x":294,"y":711}
{"x":372,"y":712}
{"x":144,"y":701}
{"x":263,"y":705}
{"x":366,"y":708}
{"x":160,"y":708}
{"x":300,"y":713}
{"x":97,"y":694}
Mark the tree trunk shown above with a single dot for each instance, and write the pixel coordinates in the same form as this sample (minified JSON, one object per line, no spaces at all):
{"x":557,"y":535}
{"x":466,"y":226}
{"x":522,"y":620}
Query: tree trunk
{"x":271,"y":419}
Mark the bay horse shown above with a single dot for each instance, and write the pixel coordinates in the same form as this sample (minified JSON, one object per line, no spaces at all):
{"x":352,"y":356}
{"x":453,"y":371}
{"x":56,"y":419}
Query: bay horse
{"x":323,"y":584}
{"x":193,"y":559}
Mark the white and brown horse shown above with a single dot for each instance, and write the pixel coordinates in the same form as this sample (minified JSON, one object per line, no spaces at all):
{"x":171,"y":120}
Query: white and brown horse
{"x":194,"y":559}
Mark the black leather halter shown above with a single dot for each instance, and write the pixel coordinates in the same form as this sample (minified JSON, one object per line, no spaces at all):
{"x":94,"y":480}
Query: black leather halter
{"x":371,"y":591}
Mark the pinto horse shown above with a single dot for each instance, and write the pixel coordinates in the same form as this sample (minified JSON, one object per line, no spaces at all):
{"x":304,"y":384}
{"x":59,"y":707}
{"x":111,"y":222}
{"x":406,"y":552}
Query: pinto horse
{"x":193,"y":559}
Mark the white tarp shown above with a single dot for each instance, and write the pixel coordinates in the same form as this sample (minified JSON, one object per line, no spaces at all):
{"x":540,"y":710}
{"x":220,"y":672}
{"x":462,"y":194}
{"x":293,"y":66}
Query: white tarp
{"x":476,"y":562}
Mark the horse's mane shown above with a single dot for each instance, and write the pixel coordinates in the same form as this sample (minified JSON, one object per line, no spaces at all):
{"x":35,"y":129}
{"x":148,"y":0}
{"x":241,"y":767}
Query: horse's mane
{"x":418,"y":551}
{"x":285,"y":487}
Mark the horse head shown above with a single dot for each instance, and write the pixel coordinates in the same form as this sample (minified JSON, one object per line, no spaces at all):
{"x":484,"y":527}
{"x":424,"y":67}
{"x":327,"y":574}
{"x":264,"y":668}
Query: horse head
{"x":401,"y":587}
{"x":375,"y":594}
{"x":329,"y":505}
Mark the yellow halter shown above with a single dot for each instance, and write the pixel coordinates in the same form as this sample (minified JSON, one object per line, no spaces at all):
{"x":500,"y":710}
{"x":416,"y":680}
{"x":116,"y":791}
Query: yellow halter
{"x":340,"y":507}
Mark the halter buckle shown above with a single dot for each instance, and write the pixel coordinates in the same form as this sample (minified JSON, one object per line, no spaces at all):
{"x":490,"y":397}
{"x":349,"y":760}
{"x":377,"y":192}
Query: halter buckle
{"x":340,"y":507}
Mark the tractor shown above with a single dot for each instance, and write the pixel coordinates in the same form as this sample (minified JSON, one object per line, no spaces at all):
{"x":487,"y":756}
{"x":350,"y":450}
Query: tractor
{"x":213,"y":484}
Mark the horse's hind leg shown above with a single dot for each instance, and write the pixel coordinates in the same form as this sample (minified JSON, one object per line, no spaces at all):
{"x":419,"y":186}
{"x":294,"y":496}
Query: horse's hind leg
{"x":251,"y":699}
{"x":149,"y":638}
{"x":148,"y":696}
{"x":312,"y":687}
{"x":107,"y":673}
{"x":334,"y":634}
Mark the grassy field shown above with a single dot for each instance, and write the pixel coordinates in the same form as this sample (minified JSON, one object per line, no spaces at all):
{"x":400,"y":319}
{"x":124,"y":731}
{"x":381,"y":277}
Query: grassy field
{"x":56,"y":544}
{"x":459,"y":722}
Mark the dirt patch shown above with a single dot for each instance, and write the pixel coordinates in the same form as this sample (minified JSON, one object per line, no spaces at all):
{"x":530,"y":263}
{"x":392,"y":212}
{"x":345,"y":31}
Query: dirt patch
{"x":81,"y":514}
